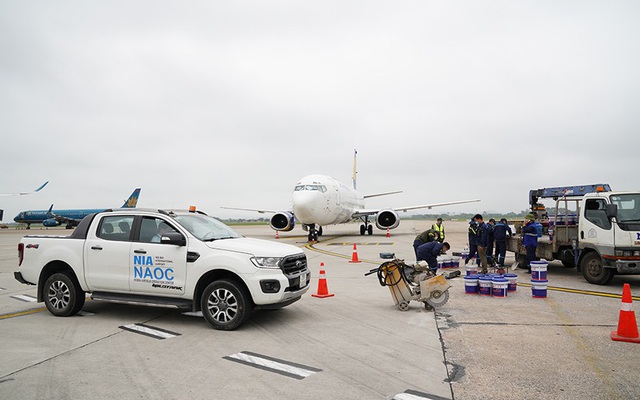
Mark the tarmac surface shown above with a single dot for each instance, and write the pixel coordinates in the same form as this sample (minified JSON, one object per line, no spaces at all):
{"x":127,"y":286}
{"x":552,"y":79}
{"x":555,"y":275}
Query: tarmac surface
{"x":354,"y":345}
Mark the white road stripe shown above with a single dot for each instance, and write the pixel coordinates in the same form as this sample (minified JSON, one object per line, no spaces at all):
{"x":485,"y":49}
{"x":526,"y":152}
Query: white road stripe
{"x":150,"y":331}
{"x":283,"y":367}
{"x":412,"y":395}
{"x":25,"y":297}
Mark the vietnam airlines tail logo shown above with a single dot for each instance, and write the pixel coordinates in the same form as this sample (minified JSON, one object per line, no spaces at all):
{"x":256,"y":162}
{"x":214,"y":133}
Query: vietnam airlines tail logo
{"x":132,"y":201}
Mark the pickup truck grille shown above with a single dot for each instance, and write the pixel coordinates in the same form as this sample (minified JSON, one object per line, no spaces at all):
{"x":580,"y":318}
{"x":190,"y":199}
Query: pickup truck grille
{"x":294,"y":264}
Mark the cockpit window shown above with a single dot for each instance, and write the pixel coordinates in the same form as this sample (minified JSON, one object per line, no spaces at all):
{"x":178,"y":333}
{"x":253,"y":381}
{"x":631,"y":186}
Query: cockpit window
{"x":320,"y":188}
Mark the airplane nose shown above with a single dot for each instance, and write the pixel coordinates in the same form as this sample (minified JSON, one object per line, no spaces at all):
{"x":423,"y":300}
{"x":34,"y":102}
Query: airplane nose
{"x":304,"y":206}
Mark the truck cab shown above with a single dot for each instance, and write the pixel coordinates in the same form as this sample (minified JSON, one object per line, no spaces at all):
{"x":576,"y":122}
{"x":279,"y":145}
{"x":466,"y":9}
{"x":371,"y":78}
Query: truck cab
{"x":609,"y":236}
{"x":590,"y":227}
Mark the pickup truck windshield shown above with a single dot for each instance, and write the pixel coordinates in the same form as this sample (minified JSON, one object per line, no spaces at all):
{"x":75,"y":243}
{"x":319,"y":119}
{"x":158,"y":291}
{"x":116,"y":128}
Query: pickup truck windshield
{"x":206,"y":228}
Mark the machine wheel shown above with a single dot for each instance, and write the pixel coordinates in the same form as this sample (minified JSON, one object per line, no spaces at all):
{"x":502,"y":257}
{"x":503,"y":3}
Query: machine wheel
{"x":438,"y":298}
{"x":363,"y":229}
{"x":319,"y":231}
{"x":593,"y":271}
{"x":370,"y":230}
{"x":225,"y":305}
{"x":427,"y":306}
{"x":62,"y":296}
{"x":403,"y":306}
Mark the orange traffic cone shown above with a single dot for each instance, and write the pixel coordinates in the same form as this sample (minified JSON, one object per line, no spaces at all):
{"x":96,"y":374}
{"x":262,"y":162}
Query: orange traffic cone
{"x":277,"y":236}
{"x":388,"y":233}
{"x":627,"y":326}
{"x":354,"y":256}
{"x":323,"y":291}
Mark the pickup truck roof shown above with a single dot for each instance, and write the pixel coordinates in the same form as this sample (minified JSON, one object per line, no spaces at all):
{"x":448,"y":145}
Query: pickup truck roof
{"x":83,"y":227}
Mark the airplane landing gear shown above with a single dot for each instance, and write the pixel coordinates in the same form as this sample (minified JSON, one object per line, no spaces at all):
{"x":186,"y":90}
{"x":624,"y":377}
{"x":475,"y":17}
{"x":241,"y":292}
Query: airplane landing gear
{"x":314,"y":233}
{"x":366,"y":229}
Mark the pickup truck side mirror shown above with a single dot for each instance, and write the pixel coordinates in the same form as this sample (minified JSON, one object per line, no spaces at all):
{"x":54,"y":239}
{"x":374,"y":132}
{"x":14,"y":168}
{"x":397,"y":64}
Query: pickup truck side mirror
{"x":174,"y":238}
{"x":612,"y":211}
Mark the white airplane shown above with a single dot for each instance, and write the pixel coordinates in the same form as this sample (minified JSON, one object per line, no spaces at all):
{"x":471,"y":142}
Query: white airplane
{"x":321,"y":200}
{"x":25,"y":193}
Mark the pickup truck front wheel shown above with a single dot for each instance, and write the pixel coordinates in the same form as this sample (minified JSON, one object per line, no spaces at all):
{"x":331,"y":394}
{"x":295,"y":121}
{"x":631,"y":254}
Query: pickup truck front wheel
{"x":225,"y":304}
{"x":62,"y":296}
{"x":593,"y":270}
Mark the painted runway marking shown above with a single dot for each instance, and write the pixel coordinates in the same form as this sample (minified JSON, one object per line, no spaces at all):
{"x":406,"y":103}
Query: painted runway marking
{"x":151,"y":331}
{"x":286,"y":368}
{"x":193,"y":314}
{"x":414,"y":395}
{"x":360,"y":244}
{"x":25,"y":298}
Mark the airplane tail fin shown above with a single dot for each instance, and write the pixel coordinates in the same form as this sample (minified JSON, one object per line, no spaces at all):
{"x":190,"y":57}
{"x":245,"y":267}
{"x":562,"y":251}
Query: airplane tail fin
{"x":132,"y":201}
{"x":355,"y":153}
{"x":41,"y":187}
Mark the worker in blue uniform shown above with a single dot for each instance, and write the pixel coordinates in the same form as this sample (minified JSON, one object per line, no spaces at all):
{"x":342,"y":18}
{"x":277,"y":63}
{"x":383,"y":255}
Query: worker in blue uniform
{"x":500,"y":232}
{"x":483,"y":242}
{"x":473,"y":238}
{"x":430,"y":251}
{"x":529,"y":240}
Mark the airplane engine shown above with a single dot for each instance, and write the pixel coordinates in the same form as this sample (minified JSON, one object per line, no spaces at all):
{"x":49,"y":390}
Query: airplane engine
{"x":283,"y":221}
{"x":387,"y":219}
{"x":50,"y":222}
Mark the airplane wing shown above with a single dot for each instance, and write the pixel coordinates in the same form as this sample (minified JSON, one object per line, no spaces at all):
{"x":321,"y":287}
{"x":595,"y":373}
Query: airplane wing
{"x":25,"y":193}
{"x":362,"y":213}
{"x":368,"y":196}
{"x":253,"y":209}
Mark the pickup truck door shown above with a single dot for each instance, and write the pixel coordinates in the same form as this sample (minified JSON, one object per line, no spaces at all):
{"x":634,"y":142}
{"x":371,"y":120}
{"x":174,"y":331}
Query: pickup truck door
{"x":157,"y":268}
{"x":107,"y":254}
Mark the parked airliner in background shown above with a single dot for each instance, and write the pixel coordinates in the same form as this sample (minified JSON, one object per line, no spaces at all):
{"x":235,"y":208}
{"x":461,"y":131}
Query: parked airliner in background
{"x":320,"y":200}
{"x":25,"y":193}
{"x":70,"y":217}
{"x":20,"y":194}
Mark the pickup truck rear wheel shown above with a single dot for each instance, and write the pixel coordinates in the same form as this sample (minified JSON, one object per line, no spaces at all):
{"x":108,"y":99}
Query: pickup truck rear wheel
{"x":593,"y":270}
{"x":62,"y":296}
{"x":225,"y":304}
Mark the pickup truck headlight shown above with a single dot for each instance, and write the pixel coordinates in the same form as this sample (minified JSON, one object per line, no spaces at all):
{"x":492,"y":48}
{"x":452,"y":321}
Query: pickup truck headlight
{"x":266,"y":262}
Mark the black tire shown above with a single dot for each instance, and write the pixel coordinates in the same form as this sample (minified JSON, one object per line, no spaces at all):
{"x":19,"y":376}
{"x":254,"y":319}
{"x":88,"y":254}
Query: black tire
{"x":62,"y":295}
{"x":363,"y":229}
{"x":226,"y":305}
{"x":370,"y":230}
{"x":593,"y":270}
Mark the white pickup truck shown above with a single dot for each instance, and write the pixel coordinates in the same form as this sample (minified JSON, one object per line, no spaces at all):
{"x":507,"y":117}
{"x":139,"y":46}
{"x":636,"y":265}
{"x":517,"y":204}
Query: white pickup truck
{"x":179,"y":259}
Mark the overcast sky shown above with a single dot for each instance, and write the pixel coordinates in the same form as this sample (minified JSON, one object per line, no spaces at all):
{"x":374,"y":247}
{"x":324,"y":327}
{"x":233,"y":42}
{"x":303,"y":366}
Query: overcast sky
{"x":230,"y":103}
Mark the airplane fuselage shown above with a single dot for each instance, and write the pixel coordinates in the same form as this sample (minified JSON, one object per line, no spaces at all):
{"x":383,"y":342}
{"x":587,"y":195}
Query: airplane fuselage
{"x":323,"y":200}
{"x":39,"y":216}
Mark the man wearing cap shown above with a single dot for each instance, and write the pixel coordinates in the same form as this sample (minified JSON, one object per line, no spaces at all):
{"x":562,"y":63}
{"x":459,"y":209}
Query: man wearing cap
{"x":500,"y":232}
{"x":483,"y":242}
{"x":529,"y":240}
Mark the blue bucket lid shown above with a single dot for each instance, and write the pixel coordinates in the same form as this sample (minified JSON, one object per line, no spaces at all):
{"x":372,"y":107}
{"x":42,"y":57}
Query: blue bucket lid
{"x":500,"y":279}
{"x":545,"y":281}
{"x":510,"y":275}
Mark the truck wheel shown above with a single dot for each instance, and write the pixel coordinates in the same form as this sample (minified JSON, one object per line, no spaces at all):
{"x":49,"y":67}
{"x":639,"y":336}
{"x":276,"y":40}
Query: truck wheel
{"x":225,"y":305}
{"x":593,"y":271}
{"x":62,"y":296}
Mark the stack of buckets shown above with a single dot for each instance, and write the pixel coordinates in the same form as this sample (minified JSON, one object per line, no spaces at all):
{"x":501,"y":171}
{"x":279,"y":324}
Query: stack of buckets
{"x":448,"y":262}
{"x":539,"y":280}
{"x":494,"y":285}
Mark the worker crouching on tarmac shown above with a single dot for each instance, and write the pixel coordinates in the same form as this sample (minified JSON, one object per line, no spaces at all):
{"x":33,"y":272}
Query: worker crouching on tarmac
{"x":430,"y":235}
{"x":429,"y":252}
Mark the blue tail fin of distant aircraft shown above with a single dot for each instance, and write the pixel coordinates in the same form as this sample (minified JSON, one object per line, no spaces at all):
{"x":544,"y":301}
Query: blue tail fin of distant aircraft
{"x":132,"y":201}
